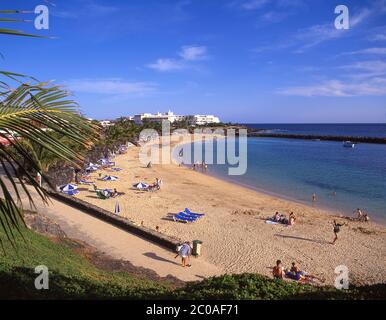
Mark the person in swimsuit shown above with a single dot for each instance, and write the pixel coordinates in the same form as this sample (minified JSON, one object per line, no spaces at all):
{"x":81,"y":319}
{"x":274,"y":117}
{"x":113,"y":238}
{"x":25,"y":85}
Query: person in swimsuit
{"x":292,"y":219}
{"x":297,"y":274}
{"x":337,"y":227}
{"x":278,"y":270}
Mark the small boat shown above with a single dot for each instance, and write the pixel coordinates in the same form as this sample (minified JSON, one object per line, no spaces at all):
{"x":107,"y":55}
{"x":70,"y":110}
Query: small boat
{"x":348,"y":144}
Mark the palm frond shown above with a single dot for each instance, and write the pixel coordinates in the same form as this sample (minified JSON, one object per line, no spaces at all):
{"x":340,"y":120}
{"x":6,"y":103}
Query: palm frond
{"x":32,"y":112}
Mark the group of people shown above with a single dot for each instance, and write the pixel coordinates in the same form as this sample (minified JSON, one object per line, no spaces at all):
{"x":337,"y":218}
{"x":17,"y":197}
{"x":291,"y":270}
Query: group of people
{"x":281,"y":218}
{"x":108,"y":193}
{"x":197,"y":166}
{"x":361,"y":216}
{"x":294,"y":273}
{"x":156,"y":185}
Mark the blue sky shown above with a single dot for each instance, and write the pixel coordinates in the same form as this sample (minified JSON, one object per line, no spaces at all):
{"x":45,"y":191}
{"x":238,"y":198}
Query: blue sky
{"x":262,"y":61}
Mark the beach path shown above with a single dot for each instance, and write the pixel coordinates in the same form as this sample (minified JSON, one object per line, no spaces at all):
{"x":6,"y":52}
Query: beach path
{"x":120,"y":244}
{"x":123,"y":245}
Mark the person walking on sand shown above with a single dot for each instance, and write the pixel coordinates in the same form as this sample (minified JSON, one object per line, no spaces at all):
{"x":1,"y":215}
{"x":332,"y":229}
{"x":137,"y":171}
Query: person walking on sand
{"x":185,"y":253}
{"x":337,"y":227}
{"x":314,"y":198}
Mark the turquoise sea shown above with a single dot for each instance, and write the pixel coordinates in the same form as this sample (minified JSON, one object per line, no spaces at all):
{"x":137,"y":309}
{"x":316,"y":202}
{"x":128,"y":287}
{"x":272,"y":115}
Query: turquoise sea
{"x":296,"y":169}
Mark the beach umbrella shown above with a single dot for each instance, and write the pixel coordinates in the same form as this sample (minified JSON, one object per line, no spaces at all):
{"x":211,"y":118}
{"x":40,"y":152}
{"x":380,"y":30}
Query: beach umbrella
{"x":103,"y":161}
{"x":93,"y":165}
{"x":68,"y":187}
{"x":117,"y":208}
{"x":141,"y":186}
{"x":110,"y":178}
{"x":91,"y":168}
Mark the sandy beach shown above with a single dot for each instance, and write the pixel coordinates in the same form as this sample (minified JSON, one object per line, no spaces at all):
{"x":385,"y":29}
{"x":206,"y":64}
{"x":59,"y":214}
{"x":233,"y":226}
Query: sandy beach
{"x":235,"y":235}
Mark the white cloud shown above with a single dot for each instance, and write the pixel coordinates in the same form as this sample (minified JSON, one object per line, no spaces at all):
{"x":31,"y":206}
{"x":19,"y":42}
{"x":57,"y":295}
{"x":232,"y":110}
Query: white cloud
{"x":379,"y":37}
{"x":363,"y":78}
{"x":187,"y":54}
{"x":193,"y":53}
{"x":374,"y":51}
{"x":254,"y":4}
{"x":110,"y":86}
{"x":164,"y":65}
{"x":338,"y":88}
{"x":365,"y":69}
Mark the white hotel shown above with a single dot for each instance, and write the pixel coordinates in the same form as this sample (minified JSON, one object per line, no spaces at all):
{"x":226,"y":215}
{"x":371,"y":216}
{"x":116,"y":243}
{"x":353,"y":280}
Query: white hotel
{"x":170,"y":116}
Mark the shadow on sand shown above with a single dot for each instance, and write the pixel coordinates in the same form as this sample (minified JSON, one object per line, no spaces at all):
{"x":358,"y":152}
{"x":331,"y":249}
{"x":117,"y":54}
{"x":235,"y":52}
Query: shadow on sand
{"x":302,"y":239}
{"x":154,"y":256}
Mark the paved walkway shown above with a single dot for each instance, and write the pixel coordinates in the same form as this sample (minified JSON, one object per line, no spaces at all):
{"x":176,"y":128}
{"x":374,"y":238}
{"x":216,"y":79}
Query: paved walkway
{"x":122,"y":245}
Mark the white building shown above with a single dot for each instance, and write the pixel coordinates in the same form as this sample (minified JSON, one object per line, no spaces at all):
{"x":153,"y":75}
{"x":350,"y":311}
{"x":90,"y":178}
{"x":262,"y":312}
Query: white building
{"x":171,"y":117}
{"x":105,"y":123}
{"x":201,"y":120}
{"x":158,"y":117}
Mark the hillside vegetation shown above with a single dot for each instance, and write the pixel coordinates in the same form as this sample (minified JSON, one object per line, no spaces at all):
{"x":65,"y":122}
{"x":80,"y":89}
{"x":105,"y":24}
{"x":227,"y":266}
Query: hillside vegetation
{"x":74,"y":276}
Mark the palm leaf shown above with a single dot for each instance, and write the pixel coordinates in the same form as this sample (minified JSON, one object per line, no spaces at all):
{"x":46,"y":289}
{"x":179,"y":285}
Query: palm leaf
{"x":31,"y":112}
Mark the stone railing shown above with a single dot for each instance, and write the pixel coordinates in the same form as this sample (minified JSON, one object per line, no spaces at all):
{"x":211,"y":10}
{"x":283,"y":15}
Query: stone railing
{"x":117,"y":221}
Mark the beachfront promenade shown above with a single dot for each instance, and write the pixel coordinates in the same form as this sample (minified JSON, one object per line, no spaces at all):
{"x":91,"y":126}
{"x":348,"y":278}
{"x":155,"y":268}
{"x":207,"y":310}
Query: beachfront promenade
{"x":120,"y":244}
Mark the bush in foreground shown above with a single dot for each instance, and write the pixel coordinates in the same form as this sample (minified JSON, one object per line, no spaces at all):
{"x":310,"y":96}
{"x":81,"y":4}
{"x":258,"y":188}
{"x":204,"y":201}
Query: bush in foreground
{"x":73,"y":276}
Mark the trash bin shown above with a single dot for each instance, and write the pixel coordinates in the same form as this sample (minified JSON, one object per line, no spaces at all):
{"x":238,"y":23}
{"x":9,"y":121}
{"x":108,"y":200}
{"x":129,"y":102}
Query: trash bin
{"x":197,"y":248}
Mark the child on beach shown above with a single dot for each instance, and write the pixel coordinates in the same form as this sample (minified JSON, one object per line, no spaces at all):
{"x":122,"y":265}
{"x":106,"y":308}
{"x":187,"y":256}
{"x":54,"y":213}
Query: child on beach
{"x":337,"y":227}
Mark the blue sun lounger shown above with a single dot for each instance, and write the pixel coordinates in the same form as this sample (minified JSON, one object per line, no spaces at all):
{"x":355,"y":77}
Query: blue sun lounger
{"x":71,"y":192}
{"x":183,"y":218}
{"x":199,"y":215}
{"x":89,"y":183}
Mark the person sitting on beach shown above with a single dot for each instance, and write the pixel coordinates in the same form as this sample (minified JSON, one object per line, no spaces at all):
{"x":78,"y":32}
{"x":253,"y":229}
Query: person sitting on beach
{"x":292,"y":219}
{"x":283,"y":219}
{"x":365,"y":218}
{"x":278,"y":270}
{"x":297,"y":274}
{"x":158,"y":183}
{"x":276,"y":217}
{"x":115,"y":193}
{"x":359,"y":214}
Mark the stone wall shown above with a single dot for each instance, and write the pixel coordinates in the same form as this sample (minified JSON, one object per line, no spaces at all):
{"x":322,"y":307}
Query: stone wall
{"x":122,"y":223}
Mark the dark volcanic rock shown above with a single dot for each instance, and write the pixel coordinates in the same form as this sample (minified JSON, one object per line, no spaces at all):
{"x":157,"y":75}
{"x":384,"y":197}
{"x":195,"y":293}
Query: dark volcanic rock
{"x":43,"y":225}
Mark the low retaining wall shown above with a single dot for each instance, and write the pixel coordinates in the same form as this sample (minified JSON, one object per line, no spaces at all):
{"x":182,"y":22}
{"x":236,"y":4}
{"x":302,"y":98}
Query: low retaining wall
{"x":117,"y":221}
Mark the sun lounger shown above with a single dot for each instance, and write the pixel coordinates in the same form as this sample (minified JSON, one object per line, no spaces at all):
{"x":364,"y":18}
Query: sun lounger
{"x":82,"y":181}
{"x":71,"y":192}
{"x":199,"y":215}
{"x":183,"y":218}
{"x":101,"y":195}
{"x":190,"y":216}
